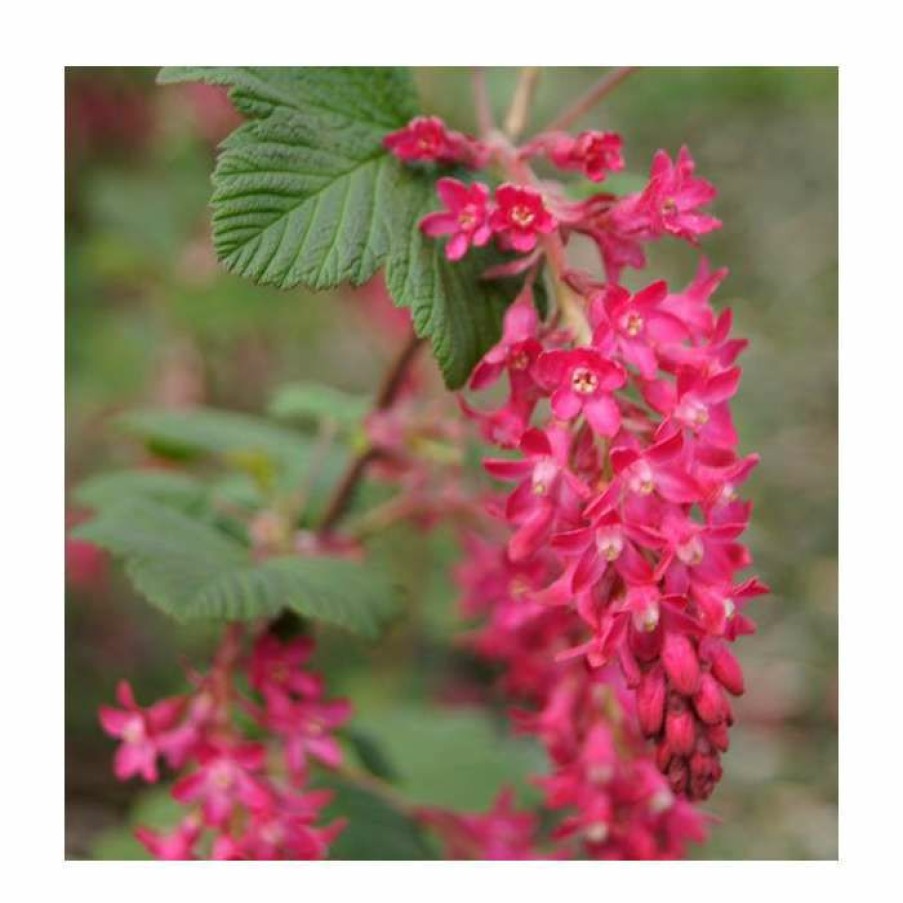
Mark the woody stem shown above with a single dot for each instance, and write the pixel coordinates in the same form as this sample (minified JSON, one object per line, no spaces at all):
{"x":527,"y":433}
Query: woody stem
{"x":587,"y":101}
{"x":385,"y":397}
{"x":520,"y":103}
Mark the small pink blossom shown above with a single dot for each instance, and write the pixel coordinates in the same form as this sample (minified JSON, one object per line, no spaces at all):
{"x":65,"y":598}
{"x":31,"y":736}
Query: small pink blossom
{"x":178,"y":844}
{"x":428,"y":139}
{"x":227,"y":778}
{"x":582,"y":381}
{"x":671,"y":200}
{"x":144,"y":732}
{"x":466,"y":217}
{"x":520,"y":217}
{"x":594,"y":153}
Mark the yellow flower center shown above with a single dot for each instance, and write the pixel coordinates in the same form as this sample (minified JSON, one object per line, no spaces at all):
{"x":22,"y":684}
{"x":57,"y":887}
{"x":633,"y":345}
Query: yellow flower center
{"x":584,"y":381}
{"x":522,"y":216}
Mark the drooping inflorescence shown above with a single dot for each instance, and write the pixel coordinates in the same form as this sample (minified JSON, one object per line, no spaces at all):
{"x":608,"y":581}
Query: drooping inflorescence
{"x":613,"y":592}
{"x":243,"y":798}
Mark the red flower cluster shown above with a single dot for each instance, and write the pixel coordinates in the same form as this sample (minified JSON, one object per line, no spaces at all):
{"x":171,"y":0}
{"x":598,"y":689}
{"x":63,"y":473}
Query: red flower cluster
{"x":614,"y":597}
{"x":241,"y":802}
{"x":625,"y":514}
{"x":517,"y":217}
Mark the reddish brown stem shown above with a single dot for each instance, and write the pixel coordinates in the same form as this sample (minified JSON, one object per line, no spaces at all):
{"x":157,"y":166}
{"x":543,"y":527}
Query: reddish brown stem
{"x":587,"y":101}
{"x":385,"y":397}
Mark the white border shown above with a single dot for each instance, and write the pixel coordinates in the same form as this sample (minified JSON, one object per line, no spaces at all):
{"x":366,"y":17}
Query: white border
{"x":40,"y":41}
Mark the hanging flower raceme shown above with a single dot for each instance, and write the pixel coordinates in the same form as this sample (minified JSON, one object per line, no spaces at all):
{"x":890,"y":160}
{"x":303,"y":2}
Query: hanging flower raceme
{"x":614,"y":595}
{"x":244,"y":799}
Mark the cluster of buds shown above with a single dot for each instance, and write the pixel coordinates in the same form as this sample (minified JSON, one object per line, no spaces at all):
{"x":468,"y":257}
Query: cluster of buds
{"x":614,"y":592}
{"x":244,"y":799}
{"x":610,"y":800}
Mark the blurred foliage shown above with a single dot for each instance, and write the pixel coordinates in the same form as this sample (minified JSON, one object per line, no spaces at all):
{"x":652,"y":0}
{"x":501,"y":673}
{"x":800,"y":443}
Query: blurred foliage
{"x":152,"y":322}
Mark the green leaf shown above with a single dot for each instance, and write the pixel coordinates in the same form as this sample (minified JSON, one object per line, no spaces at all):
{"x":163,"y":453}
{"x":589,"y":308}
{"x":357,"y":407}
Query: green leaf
{"x":455,"y":758}
{"x":304,"y":193}
{"x":316,"y":402}
{"x":375,"y":830}
{"x":206,"y":431}
{"x":449,"y":303}
{"x":166,"y":486}
{"x":191,"y":570}
{"x":371,"y":754}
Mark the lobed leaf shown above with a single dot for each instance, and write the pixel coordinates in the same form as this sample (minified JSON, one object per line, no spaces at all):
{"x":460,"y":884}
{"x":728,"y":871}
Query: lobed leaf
{"x":192,"y":570}
{"x":304,"y":193}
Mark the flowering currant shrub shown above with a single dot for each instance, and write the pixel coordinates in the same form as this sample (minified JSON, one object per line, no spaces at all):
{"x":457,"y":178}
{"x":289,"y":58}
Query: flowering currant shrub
{"x":602,"y":577}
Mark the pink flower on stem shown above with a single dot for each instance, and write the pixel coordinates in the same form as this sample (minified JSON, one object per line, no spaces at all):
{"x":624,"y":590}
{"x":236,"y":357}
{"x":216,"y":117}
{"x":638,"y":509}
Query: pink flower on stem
{"x":178,"y":844}
{"x":426,"y":139}
{"x":520,"y":217}
{"x":594,"y":153}
{"x":581,"y":381}
{"x":423,"y":138}
{"x":466,"y":217}
{"x":144,"y":732}
{"x":547,"y":489}
{"x":275,"y":667}
{"x":635,"y":326}
{"x":304,"y":727}
{"x":698,"y":403}
{"x":670,"y":202}
{"x":225,"y":780}
{"x":502,"y":833}
{"x":659,"y":468}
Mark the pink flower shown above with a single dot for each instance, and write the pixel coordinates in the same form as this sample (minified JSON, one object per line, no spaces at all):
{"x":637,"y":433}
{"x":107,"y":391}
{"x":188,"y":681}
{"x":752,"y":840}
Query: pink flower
{"x":178,"y":844}
{"x":581,"y":381}
{"x":500,"y":834}
{"x":304,"y":727}
{"x":144,"y":732}
{"x":423,"y":138}
{"x":670,"y":202}
{"x":594,"y":153}
{"x":466,"y":217}
{"x":225,"y":780}
{"x":276,"y":667}
{"x":520,"y":217}
{"x":698,"y":403}
{"x":635,"y":326}
{"x":427,"y":139}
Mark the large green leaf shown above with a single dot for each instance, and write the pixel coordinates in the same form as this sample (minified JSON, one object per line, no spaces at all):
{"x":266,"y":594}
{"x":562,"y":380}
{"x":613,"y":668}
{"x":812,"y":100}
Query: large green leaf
{"x":207,"y":431}
{"x":375,"y":829}
{"x":192,"y":570}
{"x":304,"y":193}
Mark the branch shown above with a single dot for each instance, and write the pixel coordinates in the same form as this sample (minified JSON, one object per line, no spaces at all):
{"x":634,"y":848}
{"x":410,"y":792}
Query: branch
{"x":385,"y":397}
{"x":586,"y":102}
{"x":520,"y":103}
{"x":481,"y":103}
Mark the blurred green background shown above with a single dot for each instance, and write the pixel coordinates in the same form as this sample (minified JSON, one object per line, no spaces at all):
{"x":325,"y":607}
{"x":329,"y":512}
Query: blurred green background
{"x":151,"y":319}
